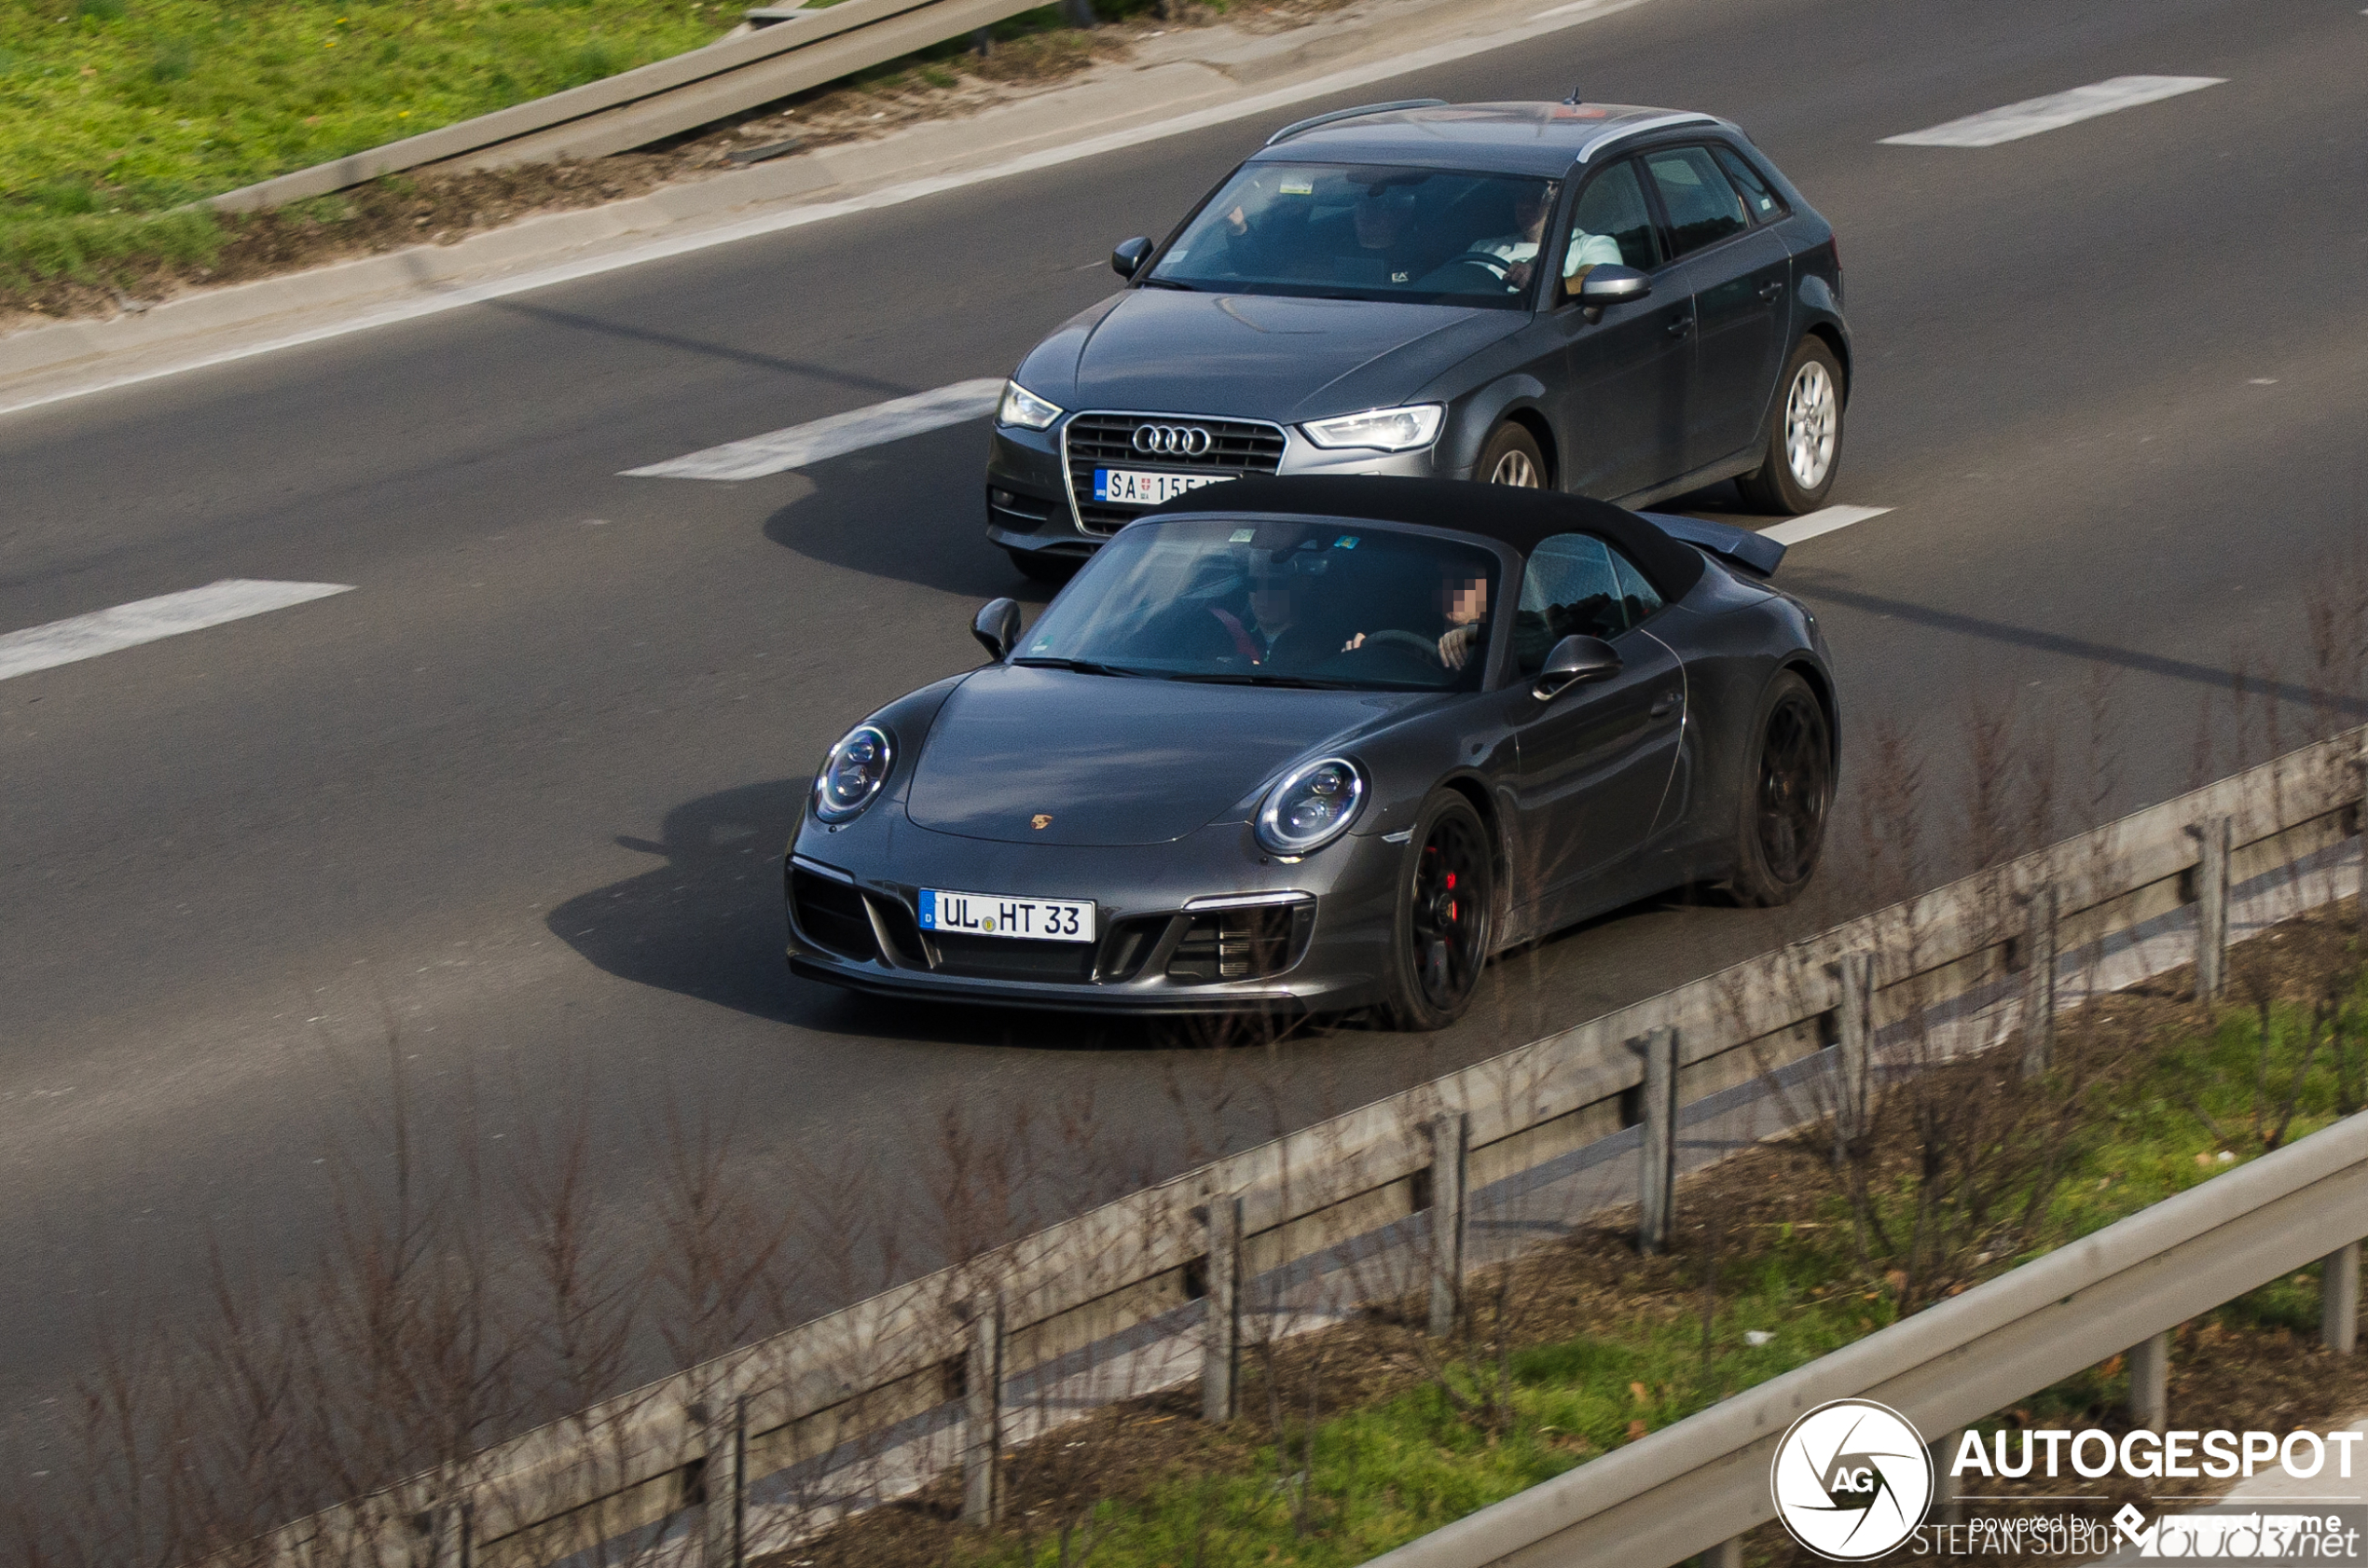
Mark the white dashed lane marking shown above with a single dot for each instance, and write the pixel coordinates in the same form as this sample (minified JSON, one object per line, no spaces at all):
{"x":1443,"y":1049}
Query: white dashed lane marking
{"x":820,"y":440}
{"x":150,"y":620}
{"x":2051,"y":113}
{"x":1817,"y":523}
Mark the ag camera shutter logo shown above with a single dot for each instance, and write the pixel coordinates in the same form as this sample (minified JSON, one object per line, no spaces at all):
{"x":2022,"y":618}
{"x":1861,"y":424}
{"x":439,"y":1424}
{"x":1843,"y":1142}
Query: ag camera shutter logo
{"x":1852,"y":1480}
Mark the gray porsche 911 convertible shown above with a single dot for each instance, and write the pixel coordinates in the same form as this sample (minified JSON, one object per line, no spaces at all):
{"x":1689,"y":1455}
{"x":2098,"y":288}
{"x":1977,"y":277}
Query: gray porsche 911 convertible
{"x":1324,"y":744}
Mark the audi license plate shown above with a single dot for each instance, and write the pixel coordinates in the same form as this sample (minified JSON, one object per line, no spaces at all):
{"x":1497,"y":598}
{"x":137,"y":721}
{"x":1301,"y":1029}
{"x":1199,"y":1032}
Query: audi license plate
{"x":1130,"y":487}
{"x":991,"y":914}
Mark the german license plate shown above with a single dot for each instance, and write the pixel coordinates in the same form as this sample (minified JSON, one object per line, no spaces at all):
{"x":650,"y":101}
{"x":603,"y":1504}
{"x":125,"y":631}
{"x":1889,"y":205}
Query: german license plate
{"x":992,"y":915}
{"x":1130,"y":487}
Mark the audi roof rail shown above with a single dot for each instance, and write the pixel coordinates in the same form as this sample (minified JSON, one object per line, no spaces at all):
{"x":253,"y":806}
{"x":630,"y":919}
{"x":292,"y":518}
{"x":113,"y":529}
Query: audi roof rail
{"x":1619,"y":131}
{"x":1297,"y":127}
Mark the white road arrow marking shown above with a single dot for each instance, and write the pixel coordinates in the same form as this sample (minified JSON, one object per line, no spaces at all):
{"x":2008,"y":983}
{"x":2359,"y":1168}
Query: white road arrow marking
{"x":2054,"y":112}
{"x":150,"y":620}
{"x":1817,"y":523}
{"x":820,"y":440}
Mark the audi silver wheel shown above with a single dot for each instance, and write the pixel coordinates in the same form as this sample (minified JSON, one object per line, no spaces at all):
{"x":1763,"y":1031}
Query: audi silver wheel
{"x":1812,"y":420}
{"x":1511,"y":457}
{"x":1804,"y":441}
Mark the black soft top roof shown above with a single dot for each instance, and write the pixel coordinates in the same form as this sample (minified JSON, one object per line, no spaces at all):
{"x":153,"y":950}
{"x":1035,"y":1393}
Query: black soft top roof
{"x":1514,"y":516}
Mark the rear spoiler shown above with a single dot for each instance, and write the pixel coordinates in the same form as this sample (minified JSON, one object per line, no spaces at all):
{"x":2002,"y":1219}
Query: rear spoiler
{"x":1756,"y":553}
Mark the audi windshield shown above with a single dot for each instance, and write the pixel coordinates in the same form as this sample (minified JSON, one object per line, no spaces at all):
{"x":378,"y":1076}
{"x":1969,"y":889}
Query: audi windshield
{"x":1341,"y":231}
{"x":1295,"y":603}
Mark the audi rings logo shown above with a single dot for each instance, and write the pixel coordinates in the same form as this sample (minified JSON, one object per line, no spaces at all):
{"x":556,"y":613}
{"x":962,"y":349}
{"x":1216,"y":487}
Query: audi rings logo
{"x":1852,"y":1479}
{"x":1172,"y":441}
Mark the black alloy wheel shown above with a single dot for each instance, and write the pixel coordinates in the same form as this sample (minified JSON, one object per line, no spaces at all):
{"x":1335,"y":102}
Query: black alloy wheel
{"x":1446,"y":912}
{"x":1789,"y":790}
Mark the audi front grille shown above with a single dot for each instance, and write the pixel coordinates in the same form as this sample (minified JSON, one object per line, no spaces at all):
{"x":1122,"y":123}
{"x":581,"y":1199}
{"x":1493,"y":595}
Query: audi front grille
{"x":1094,"y":441}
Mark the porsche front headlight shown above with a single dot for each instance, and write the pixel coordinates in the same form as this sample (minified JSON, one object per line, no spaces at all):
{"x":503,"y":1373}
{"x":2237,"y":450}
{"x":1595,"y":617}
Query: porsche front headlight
{"x":1311,"y":806}
{"x":1024,"y":408}
{"x":853,"y":773}
{"x":1385,"y":429}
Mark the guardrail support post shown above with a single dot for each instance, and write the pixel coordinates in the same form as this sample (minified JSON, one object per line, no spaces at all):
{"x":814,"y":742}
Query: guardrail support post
{"x":1946,"y":1508}
{"x":1451,"y":1150}
{"x":2039,"y":983}
{"x":982,"y":1413}
{"x":1656,"y":1180}
{"x":1221,"y":1347}
{"x":724,"y":1481}
{"x":2339,"y":1298}
{"x":1727,"y":1554}
{"x":1854,"y":1041}
{"x":2150,"y":1383}
{"x":2211,"y":907}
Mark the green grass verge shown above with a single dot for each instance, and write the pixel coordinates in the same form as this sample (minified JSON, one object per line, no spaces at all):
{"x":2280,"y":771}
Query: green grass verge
{"x":116,"y":113}
{"x":1380,"y":1476}
{"x":119,"y":107}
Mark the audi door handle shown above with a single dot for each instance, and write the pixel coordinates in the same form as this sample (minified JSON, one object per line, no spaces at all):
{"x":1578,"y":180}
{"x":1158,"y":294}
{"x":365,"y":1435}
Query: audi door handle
{"x":1664,"y":705}
{"x":1681,"y":326}
{"x":1769,"y":291}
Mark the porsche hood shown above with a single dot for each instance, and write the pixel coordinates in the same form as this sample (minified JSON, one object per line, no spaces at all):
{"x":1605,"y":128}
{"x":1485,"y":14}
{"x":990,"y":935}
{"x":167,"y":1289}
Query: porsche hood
{"x":1108,"y":760}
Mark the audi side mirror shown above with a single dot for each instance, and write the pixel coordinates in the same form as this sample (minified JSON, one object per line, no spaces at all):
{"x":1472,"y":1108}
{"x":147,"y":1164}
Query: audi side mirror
{"x":997,"y":629}
{"x":1606,"y":284}
{"x":1574,"y":661}
{"x":1127,"y":257}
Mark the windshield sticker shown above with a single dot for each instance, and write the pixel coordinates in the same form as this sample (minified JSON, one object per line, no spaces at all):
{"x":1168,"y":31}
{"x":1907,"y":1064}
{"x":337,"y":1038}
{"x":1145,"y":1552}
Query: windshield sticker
{"x":1345,"y":542}
{"x":1242,"y":536}
{"x":1297,"y":187}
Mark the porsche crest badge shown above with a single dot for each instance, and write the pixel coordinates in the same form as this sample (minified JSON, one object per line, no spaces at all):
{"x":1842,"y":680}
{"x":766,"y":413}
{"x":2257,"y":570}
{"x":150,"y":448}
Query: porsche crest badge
{"x":1041,"y":821}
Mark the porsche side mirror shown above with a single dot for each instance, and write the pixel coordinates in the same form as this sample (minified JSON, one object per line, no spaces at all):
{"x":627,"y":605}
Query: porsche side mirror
{"x":1574,"y":661}
{"x":1126,"y":256}
{"x":998,"y":627}
{"x":1606,"y":284}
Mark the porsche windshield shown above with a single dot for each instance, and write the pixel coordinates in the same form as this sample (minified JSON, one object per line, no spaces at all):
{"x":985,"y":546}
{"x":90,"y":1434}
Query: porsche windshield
{"x":1283,"y":603}
{"x":1345,"y":231}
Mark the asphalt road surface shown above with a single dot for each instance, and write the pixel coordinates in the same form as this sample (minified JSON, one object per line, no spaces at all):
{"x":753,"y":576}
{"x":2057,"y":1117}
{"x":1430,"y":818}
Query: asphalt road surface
{"x":517,"y":801}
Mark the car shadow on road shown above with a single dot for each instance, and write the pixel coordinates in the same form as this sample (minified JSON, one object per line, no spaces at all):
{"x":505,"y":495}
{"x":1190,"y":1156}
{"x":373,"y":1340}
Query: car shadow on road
{"x":913,"y":511}
{"x":706,"y":920}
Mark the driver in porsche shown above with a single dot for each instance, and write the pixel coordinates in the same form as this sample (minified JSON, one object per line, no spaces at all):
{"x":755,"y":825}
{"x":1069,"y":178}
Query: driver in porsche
{"x":1463,"y":602}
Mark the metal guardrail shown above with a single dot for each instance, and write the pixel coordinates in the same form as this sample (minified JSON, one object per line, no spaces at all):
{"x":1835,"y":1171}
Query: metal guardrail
{"x":651,"y":101}
{"x":1703,"y":1482}
{"x":947,"y":1347}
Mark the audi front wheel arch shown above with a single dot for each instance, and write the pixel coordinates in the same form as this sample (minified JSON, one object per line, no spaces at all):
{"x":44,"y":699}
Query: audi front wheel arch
{"x":1804,"y":447}
{"x":1512,"y":457}
{"x":1440,"y":934}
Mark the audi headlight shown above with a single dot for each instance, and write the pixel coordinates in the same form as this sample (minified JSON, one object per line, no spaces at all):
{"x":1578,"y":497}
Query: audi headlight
{"x":1312,"y":806}
{"x":853,"y":773}
{"x":1024,"y":408}
{"x":1386,"y":430}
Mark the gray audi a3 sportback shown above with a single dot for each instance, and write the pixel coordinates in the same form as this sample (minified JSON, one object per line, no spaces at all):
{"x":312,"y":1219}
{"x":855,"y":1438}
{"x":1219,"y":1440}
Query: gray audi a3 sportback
{"x":1619,"y":302}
